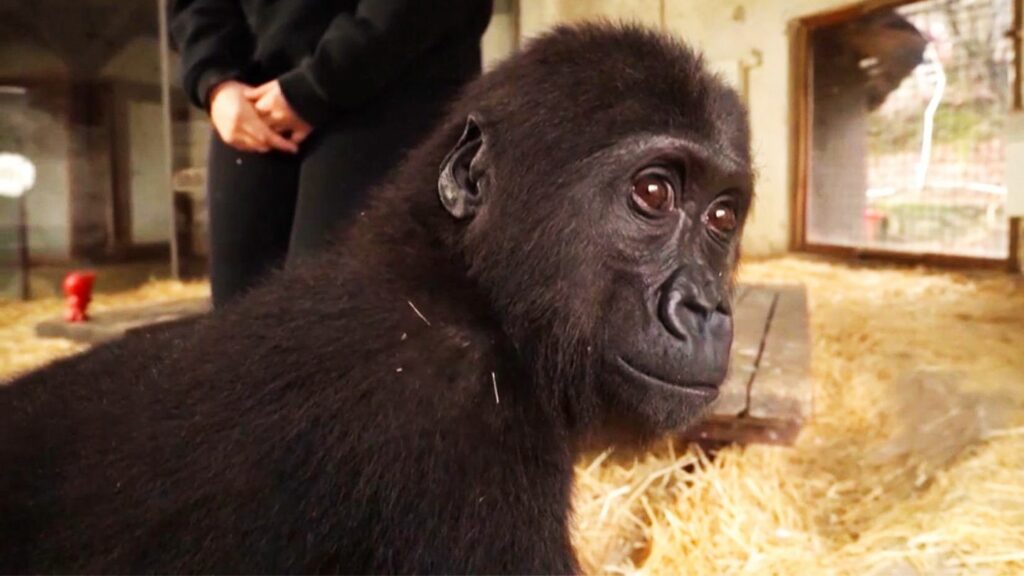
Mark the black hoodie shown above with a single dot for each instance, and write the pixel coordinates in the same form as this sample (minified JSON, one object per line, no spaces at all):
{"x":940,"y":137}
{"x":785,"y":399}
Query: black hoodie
{"x":329,"y":55}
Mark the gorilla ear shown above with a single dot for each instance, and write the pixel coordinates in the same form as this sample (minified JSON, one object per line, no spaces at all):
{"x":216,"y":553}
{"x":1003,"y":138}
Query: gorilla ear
{"x":458,"y":185}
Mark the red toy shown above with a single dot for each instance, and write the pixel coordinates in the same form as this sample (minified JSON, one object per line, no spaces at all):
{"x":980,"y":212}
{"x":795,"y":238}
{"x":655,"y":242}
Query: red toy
{"x":77,"y":295}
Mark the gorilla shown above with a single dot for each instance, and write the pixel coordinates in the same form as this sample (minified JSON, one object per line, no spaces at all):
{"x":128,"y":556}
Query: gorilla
{"x":549,"y":271}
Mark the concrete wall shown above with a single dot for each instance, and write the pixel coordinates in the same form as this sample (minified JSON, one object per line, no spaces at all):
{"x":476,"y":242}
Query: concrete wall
{"x":539,"y":15}
{"x":1015,"y":169}
{"x":728,"y":32}
{"x":40,"y":123}
{"x":501,"y":38}
{"x":25,"y":60}
{"x":137,"y":62}
{"x":79,"y":150}
{"x":1015,"y":180}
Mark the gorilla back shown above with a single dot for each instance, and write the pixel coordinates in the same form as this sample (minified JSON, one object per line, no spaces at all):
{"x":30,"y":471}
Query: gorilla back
{"x":553,"y":264}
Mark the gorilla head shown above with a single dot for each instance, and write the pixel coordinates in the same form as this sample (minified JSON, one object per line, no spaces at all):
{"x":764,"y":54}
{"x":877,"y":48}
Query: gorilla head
{"x":600,"y":199}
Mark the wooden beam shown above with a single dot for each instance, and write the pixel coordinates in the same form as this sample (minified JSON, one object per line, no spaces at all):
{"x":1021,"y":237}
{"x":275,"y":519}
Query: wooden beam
{"x":800,"y":133}
{"x":781,"y":387}
{"x":750,"y":317}
{"x":1015,"y":264}
{"x":768,"y":395}
{"x":24,"y":258}
{"x":168,"y":132}
{"x":925,"y":258}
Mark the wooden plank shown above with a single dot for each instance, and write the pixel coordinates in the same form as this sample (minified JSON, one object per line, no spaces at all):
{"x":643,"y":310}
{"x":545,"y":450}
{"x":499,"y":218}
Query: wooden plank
{"x":779,"y":392}
{"x":800,"y":130}
{"x":749,"y":320}
{"x":781,"y":388}
{"x":744,"y":430}
{"x":112,"y":324}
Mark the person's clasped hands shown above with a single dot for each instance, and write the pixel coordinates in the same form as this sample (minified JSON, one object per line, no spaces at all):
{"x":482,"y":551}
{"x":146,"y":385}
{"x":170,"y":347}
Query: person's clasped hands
{"x":256,"y":118}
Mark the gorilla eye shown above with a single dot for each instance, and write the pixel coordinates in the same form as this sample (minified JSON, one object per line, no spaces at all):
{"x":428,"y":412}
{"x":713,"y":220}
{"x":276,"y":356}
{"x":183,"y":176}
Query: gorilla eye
{"x":721,"y":217}
{"x":653,"y":192}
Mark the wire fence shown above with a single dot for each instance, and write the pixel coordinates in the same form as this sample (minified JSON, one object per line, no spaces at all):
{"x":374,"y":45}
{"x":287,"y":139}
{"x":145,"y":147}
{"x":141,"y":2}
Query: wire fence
{"x":934,"y":174}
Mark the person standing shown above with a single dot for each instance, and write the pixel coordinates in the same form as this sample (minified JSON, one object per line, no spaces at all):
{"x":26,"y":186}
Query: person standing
{"x":312,"y":102}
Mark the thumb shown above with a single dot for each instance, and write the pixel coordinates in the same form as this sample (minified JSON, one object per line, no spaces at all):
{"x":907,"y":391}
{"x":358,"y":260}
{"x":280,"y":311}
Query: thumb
{"x":264,"y":103}
{"x":299,"y":135}
{"x":257,"y":92}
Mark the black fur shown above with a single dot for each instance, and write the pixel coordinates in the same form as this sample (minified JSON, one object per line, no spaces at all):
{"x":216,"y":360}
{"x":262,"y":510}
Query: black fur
{"x":413,"y":400}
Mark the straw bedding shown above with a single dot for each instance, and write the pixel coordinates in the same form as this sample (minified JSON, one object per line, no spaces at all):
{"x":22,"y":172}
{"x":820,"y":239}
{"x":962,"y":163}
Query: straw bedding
{"x":914,"y":463}
{"x":21,"y":350}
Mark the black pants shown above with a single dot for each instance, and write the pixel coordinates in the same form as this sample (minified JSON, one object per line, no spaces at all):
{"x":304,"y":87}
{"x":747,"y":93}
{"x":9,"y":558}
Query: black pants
{"x":268,"y":209}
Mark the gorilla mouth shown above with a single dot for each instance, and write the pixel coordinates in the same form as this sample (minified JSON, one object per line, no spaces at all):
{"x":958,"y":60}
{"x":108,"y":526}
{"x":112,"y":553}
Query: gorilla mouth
{"x":707,"y":391}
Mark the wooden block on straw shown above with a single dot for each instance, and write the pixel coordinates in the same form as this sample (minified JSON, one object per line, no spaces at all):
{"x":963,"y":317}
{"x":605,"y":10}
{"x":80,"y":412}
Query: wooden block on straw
{"x":105,"y":325}
{"x":768,"y":394}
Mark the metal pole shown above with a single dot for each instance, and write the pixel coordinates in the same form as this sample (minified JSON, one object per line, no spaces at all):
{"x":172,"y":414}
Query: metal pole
{"x":165,"y":96}
{"x":23,"y":255}
{"x":1017,"y":107}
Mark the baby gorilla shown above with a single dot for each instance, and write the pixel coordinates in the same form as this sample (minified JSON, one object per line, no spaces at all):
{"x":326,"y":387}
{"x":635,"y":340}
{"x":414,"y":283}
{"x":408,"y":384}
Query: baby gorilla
{"x":553,"y":265}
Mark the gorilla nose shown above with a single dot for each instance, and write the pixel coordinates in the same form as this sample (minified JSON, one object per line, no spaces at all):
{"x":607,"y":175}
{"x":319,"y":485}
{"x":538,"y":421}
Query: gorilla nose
{"x":688,"y":310}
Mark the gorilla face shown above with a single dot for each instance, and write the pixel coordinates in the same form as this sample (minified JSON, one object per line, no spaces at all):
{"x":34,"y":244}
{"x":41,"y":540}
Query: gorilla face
{"x":674,"y":216}
{"x":605,"y":234}
{"x":621,"y":267}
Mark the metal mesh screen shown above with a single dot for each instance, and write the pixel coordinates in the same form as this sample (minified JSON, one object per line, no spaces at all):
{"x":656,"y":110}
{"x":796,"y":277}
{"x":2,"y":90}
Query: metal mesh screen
{"x":909,"y":108}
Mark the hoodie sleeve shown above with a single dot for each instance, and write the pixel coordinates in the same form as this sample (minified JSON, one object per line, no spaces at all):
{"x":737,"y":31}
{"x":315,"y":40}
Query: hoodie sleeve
{"x":361,"y":52}
{"x":214,"y":41}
